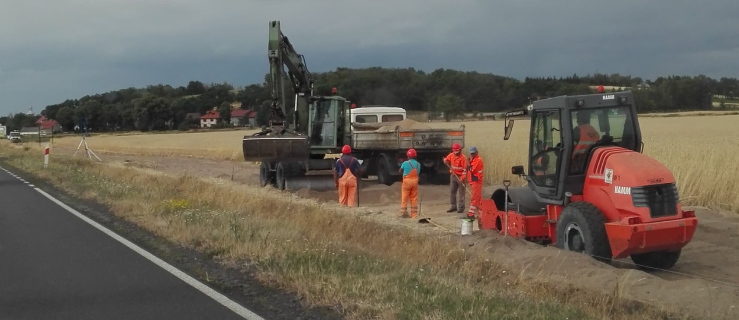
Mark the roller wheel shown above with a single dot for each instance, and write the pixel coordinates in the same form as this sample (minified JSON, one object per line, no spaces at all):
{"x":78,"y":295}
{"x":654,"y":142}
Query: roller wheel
{"x":265,"y":175}
{"x":582,"y":228}
{"x":656,"y":260}
{"x":383,"y":172}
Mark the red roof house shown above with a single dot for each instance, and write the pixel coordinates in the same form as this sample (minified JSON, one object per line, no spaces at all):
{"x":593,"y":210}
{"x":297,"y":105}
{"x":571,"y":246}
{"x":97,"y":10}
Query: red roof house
{"x":209,"y":119}
{"x":238,"y":115}
{"x":48,"y":124}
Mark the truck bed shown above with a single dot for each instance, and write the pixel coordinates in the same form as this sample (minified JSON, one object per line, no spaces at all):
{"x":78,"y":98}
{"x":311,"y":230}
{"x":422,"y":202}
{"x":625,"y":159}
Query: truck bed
{"x":419,"y":139}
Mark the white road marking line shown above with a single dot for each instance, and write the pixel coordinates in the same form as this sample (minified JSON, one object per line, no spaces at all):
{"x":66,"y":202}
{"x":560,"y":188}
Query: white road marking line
{"x":220,"y":298}
{"x":32,"y":186}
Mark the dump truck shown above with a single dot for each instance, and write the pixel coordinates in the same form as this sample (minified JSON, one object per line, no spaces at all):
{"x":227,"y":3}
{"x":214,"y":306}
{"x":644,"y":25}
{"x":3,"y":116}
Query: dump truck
{"x":301,"y":154}
{"x":590,"y":189}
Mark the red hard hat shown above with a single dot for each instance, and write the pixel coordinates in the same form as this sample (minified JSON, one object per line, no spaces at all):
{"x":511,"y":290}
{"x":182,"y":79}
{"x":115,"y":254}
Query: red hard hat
{"x":601,"y":89}
{"x":411,"y":153}
{"x":346,"y":149}
{"x":456,"y":147}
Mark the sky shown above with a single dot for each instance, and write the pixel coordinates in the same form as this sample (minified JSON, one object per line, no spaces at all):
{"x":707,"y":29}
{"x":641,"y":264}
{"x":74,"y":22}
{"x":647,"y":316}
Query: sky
{"x":64,"y":49}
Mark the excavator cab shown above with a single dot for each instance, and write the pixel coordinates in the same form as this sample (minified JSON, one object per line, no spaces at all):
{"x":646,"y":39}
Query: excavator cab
{"x":327,"y":124}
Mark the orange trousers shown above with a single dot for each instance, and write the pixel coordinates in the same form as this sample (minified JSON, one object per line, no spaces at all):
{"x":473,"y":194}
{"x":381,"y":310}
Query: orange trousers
{"x":410,"y":191}
{"x":348,"y":189}
{"x":475,"y":199}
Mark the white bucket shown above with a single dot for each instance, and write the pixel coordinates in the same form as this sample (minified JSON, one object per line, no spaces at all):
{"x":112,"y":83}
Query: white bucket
{"x":466,"y":227}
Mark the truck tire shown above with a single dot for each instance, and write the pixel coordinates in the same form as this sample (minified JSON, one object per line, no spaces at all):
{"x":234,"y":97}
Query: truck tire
{"x":663,"y":260}
{"x":582,"y":228}
{"x":286,"y":170}
{"x":383,"y":171}
{"x":266,"y":176}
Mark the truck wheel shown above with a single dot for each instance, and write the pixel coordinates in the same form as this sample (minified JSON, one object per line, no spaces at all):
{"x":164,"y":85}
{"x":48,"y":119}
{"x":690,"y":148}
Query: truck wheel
{"x":265,"y":175}
{"x":280,"y":176}
{"x":656,"y":260}
{"x":286,"y":170}
{"x":582,"y":228}
{"x":383,"y":172}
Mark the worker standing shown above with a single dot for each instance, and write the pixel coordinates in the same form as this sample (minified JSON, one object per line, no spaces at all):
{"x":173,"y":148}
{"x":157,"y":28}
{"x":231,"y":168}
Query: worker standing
{"x":457,"y":163}
{"x":411,"y":170}
{"x":346,"y":174}
{"x":475,"y":174}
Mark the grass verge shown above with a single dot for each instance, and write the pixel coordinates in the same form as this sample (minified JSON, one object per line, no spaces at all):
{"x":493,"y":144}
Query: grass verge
{"x":329,"y":256}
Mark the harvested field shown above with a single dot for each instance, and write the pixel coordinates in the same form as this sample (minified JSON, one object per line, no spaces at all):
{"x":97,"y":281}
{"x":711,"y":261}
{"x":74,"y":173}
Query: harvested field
{"x":705,"y":281}
{"x":695,"y":149}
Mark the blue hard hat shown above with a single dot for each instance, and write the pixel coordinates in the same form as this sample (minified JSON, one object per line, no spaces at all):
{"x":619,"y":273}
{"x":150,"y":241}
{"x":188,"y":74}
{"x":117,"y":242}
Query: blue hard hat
{"x":473,"y":150}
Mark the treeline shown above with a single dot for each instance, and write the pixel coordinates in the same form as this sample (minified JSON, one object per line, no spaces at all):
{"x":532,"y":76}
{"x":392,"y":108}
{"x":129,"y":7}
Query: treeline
{"x":163,"y":107}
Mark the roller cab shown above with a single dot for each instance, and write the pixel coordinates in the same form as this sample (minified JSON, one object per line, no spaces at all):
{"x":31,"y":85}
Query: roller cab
{"x":589,"y":188}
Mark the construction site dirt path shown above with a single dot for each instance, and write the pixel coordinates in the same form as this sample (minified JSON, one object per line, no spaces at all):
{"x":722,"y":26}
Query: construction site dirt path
{"x":705,"y":281}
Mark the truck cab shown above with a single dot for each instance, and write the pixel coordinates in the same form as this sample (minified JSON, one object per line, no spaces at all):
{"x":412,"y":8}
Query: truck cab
{"x":376,"y":113}
{"x":15,"y":136}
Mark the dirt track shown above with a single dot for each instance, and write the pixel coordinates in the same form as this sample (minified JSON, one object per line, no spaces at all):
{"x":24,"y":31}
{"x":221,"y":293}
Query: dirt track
{"x":713,"y":254}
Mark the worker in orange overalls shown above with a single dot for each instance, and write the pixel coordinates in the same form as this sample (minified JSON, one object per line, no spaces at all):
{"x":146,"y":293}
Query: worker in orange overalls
{"x":346,"y":174}
{"x":475,"y":174}
{"x":585,"y":136}
{"x":457,"y":163}
{"x":410,"y":170}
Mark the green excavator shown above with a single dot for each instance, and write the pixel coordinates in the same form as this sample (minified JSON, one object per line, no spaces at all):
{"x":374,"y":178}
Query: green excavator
{"x":298,"y":154}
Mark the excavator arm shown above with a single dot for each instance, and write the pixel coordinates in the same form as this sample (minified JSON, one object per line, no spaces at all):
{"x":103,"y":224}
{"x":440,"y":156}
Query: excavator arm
{"x":282,"y":54}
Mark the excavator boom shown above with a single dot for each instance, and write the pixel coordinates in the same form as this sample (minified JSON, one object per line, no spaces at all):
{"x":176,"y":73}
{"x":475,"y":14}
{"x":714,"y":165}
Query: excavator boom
{"x":282,"y":54}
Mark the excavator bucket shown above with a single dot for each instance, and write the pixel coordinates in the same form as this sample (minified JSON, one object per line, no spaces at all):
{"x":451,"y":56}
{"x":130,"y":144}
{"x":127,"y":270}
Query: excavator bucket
{"x":269,"y":148}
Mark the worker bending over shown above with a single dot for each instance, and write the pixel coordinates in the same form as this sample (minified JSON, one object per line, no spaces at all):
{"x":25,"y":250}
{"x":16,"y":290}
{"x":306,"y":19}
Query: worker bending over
{"x":410,"y":169}
{"x":475,"y":173}
{"x":346,"y":180}
{"x":457,"y":163}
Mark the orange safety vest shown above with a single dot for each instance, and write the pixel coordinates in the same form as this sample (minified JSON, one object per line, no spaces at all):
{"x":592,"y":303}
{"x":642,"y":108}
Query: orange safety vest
{"x":457,"y":164}
{"x":588,"y":137}
{"x":475,"y":170}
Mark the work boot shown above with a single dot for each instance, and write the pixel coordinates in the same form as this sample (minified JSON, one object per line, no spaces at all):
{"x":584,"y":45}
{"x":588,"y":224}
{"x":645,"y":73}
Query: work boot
{"x":450,"y":210}
{"x":460,"y":210}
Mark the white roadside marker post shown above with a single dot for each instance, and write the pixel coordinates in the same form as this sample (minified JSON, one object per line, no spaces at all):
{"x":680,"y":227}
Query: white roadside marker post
{"x":46,"y":156}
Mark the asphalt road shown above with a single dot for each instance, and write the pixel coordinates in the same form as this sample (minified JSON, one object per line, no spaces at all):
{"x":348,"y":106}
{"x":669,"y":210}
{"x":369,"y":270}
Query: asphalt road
{"x":57,"y":264}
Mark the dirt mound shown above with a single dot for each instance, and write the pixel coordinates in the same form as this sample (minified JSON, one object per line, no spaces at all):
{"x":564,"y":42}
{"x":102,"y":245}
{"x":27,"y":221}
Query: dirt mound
{"x":407,"y":124}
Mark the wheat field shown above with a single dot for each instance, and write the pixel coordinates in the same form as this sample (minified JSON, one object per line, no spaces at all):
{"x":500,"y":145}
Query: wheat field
{"x":700,"y":151}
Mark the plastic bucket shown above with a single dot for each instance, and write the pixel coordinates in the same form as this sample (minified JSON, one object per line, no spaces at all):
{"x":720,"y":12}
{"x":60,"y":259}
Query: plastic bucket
{"x":466,"y":227}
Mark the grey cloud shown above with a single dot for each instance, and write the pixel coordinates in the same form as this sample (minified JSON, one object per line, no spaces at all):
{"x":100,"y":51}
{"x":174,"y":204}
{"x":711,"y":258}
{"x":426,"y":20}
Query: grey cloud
{"x":54,"y":50}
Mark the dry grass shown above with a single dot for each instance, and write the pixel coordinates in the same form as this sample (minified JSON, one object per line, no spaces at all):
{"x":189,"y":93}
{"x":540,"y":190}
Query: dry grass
{"x":225,"y":145}
{"x":328,"y":255}
{"x":697,"y":149}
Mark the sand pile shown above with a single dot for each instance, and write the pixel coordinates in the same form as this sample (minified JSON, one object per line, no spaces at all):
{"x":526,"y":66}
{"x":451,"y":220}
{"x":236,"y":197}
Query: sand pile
{"x":407,"y":124}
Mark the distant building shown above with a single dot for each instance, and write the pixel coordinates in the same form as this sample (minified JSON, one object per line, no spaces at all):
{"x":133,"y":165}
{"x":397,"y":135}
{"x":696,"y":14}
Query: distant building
{"x":49,"y":125}
{"x":237,"y":117}
{"x":209,"y":119}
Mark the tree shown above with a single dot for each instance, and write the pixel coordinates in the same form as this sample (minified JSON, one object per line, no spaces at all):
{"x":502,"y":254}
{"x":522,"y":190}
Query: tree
{"x":151,"y":113}
{"x":66,"y":118}
{"x":450,"y":106}
{"x":195,"y":87}
{"x":224,"y":112}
